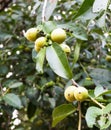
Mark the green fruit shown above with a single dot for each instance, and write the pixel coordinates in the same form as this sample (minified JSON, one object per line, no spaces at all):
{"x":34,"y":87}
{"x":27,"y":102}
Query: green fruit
{"x":81,"y":94}
{"x":58,"y":35}
{"x":108,"y":58}
{"x":65,"y":48}
{"x":39,"y":43}
{"x":69,"y":93}
{"x":31,"y":34}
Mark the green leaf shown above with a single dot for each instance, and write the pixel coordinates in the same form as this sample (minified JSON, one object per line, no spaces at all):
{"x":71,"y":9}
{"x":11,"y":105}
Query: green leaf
{"x":58,"y":61}
{"x":86,"y":5}
{"x":51,"y":5}
{"x":76,"y":52}
{"x":12,"y":100}
{"x":15,"y":84}
{"x":91,"y":115}
{"x":62,"y":111}
{"x":78,"y":31}
{"x":3,"y":70}
{"x":49,"y":26}
{"x":40,"y":60}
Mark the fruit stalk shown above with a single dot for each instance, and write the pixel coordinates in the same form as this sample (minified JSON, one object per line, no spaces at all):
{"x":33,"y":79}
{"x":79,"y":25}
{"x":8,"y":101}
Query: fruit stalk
{"x":43,"y":11}
{"x":74,"y":83}
{"x":80,"y":116}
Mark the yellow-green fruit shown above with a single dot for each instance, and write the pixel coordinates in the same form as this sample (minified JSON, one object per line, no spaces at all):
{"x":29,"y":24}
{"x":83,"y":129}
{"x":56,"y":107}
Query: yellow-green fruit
{"x":108,"y":58}
{"x":58,"y":35}
{"x":81,"y":94}
{"x":69,"y":93}
{"x":65,"y":48}
{"x":31,"y":34}
{"x":39,"y":43}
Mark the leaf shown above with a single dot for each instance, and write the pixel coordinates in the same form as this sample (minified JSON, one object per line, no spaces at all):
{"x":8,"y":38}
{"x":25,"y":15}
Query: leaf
{"x":31,"y":109}
{"x":40,"y":60}
{"x":101,"y":74}
{"x":3,"y":70}
{"x":62,"y":111}
{"x":101,"y":20}
{"x":98,"y":5}
{"x":51,"y":5}
{"x":86,"y":5}
{"x":49,"y":26}
{"x":15,"y":84}
{"x":78,"y":31}
{"x":76,"y":52}
{"x":58,"y":61}
{"x":99,"y":90}
{"x":91,"y":115}
{"x":12,"y":100}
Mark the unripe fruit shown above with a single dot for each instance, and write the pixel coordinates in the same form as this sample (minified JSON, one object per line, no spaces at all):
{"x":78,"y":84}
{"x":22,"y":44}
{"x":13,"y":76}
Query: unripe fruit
{"x":108,"y":58}
{"x":39,"y":43}
{"x":69,"y":93}
{"x":81,"y":94}
{"x":31,"y":34}
{"x":58,"y":35}
{"x":65,"y":48}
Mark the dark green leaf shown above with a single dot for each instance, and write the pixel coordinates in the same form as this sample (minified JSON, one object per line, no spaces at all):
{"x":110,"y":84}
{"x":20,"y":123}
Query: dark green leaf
{"x":58,"y":61}
{"x":12,"y":100}
{"x":62,"y":111}
{"x":31,"y":110}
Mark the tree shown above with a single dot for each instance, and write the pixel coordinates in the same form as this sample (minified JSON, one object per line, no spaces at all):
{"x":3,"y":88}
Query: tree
{"x":33,"y":83}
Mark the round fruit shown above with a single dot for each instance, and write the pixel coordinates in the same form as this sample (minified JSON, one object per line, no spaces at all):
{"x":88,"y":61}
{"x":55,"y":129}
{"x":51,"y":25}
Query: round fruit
{"x":108,"y":58}
{"x":69,"y":93}
{"x":58,"y":35}
{"x":31,"y":34}
{"x":39,"y":43}
{"x":81,"y":94}
{"x":65,"y":48}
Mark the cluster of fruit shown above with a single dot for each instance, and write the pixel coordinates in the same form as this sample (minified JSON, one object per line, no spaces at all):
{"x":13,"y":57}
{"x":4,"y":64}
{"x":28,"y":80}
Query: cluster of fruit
{"x":73,"y":93}
{"x":58,"y":35}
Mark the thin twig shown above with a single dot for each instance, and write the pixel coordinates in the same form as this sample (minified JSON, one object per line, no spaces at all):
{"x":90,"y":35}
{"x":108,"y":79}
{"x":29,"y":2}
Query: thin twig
{"x":80,"y":116}
{"x":95,"y":101}
{"x":43,"y":11}
{"x":74,"y":83}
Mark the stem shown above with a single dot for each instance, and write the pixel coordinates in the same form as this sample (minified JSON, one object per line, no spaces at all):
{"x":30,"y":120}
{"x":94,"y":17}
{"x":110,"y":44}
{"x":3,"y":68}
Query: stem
{"x":95,"y":101}
{"x":43,"y":11}
{"x":74,"y":83}
{"x":80,"y":115}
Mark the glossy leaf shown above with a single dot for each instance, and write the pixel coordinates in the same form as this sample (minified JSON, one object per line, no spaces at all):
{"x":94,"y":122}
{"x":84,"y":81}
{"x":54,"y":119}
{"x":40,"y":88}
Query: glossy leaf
{"x":13,"y":100}
{"x":62,"y":111}
{"x":58,"y":61}
{"x":86,"y":5}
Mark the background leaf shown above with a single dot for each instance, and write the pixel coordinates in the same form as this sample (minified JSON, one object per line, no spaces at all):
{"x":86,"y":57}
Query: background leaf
{"x":12,"y":100}
{"x":62,"y":111}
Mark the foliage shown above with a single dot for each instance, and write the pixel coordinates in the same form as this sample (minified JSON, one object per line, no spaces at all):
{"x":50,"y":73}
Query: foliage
{"x":33,"y":84}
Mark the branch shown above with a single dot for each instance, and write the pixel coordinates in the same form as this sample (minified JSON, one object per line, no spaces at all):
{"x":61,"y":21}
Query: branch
{"x":43,"y":11}
{"x":80,"y":116}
